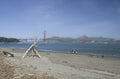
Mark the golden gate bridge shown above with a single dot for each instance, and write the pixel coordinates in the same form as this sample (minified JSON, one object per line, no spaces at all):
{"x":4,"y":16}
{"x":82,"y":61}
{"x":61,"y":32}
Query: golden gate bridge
{"x":32,"y":39}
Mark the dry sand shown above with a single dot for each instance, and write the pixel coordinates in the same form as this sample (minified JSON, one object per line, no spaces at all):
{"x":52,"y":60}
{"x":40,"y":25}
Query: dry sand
{"x":64,"y":66}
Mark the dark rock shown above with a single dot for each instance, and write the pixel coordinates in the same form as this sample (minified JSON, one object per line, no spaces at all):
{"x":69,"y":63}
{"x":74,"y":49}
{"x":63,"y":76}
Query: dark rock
{"x":8,"y":54}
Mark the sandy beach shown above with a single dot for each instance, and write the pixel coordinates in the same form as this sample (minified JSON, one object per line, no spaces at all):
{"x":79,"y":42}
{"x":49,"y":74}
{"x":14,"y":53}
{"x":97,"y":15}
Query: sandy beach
{"x":63,"y":66}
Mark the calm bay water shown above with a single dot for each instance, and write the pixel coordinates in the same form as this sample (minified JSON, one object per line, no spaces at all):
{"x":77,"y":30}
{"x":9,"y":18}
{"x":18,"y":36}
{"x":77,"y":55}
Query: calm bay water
{"x":102,"y":49}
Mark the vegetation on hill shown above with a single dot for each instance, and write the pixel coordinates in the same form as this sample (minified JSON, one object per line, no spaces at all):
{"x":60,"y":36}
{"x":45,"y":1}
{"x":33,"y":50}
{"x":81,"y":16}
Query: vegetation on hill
{"x":8,"y":40}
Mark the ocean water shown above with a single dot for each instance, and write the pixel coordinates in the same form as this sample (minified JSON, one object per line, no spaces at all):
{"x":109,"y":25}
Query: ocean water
{"x":81,"y":48}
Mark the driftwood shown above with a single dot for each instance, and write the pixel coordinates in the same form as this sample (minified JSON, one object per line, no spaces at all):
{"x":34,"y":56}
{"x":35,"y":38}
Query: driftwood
{"x":8,"y":54}
{"x":32,"y":49}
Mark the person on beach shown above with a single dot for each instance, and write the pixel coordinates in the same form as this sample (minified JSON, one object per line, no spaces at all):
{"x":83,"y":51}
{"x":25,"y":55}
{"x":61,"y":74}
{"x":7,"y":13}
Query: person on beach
{"x":74,"y":51}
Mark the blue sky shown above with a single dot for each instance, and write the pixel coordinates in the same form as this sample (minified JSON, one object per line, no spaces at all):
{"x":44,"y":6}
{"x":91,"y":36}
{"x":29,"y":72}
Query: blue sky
{"x":65,"y":18}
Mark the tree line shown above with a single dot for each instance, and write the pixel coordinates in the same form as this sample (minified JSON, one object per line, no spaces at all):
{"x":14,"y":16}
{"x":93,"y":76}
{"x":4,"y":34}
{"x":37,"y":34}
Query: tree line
{"x":8,"y":40}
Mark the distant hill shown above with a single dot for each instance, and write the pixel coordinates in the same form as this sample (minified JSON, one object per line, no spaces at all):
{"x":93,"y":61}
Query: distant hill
{"x":8,"y":40}
{"x":59,"y":39}
{"x":95,"y":39}
{"x":82,"y":39}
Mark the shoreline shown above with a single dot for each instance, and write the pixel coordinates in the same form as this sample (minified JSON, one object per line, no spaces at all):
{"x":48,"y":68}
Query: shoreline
{"x":80,"y":53}
{"x":64,"y":66}
{"x":98,"y":49}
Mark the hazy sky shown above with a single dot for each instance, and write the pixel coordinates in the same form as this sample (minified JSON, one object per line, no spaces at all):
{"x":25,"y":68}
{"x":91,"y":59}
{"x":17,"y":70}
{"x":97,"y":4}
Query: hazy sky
{"x":66,"y":18}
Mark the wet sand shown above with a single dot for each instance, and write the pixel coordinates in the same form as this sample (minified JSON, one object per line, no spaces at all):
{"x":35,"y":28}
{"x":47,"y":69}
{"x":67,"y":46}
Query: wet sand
{"x":64,"y":66}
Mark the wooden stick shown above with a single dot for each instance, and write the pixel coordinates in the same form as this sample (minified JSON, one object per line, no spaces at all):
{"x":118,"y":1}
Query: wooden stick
{"x":33,"y":49}
{"x":37,"y":53}
{"x":28,"y":50}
